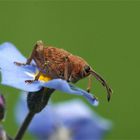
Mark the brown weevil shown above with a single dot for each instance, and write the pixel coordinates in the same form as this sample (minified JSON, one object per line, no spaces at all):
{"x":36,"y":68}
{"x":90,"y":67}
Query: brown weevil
{"x":58,"y":63}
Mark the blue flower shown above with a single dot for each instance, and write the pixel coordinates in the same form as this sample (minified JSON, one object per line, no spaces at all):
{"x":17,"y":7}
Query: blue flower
{"x":15,"y":76}
{"x":71,"y":120}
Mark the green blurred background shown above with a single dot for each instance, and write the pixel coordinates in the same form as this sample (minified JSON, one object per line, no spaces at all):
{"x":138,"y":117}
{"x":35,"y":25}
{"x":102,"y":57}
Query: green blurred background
{"x":105,"y":33}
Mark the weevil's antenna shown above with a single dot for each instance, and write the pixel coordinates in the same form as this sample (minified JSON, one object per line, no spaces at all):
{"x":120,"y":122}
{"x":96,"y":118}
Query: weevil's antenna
{"x":103,"y":82}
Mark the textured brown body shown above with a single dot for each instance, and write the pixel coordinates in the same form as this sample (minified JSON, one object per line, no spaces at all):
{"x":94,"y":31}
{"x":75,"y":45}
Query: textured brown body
{"x":56,"y":59}
{"x":58,"y":63}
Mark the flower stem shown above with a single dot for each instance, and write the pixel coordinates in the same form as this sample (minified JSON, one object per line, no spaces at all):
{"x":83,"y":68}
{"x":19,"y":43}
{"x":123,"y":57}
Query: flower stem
{"x":24,"y":126}
{"x":36,"y":103}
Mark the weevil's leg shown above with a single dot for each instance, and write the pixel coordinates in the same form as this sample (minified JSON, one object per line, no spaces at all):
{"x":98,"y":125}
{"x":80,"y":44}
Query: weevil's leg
{"x":89,"y":83}
{"x":38,"y":75}
{"x":28,"y":60}
{"x":19,"y":63}
{"x":38,"y":43}
{"x":66,"y":69}
{"x":36,"y":78}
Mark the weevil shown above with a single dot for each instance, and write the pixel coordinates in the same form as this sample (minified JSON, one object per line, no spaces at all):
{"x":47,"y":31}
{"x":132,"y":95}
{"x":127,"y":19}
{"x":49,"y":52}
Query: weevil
{"x":59,"y":63}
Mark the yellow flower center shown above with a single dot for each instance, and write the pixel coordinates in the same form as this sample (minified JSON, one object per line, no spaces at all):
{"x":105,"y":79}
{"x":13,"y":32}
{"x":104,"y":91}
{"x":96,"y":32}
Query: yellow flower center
{"x":44,"y":78}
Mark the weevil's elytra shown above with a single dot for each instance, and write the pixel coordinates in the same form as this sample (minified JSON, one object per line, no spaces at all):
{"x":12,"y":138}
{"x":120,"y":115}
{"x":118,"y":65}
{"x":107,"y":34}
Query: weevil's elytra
{"x":58,"y":63}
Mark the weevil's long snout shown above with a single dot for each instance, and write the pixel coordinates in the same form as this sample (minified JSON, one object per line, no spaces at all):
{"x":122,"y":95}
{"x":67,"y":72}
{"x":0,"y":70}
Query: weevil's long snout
{"x":103,"y":82}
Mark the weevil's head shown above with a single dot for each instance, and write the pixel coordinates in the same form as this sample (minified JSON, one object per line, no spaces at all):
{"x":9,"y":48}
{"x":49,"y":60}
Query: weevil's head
{"x":78,"y":74}
{"x":81,"y":69}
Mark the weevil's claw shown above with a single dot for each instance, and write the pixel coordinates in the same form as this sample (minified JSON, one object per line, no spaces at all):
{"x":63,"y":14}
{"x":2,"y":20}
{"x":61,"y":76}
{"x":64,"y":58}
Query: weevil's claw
{"x":19,"y":64}
{"x":29,"y":81}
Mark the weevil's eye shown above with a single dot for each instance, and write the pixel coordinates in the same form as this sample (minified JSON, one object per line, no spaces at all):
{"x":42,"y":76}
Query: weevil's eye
{"x":87,"y":69}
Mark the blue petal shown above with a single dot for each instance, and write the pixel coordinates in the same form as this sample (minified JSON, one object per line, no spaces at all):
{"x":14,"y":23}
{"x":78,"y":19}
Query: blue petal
{"x":13,"y":75}
{"x":63,"y":86}
{"x":8,"y":55}
{"x":16,"y":78}
{"x":74,"y":115}
{"x":82,"y":121}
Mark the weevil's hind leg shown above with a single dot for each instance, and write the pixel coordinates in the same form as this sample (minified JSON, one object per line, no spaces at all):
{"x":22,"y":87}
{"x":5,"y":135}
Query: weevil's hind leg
{"x":36,"y":78}
{"x":23,"y":64}
{"x":89,"y":83}
{"x":39,"y":43}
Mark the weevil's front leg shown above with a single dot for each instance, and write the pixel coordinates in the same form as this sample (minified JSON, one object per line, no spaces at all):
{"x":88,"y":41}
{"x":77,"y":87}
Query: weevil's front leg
{"x":39,"y":43}
{"x":89,"y":83}
{"x":36,"y":78}
{"x":38,"y":75}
